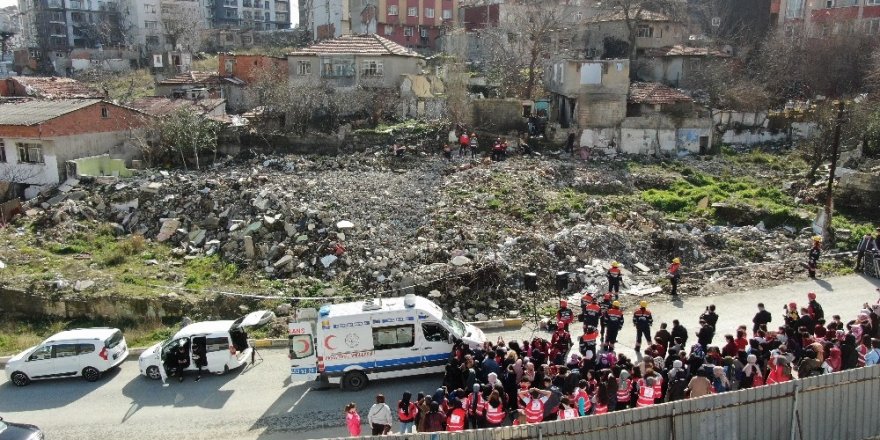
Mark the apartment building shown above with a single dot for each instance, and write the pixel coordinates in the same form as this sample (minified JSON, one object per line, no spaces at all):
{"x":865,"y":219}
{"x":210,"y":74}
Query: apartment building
{"x":825,"y":18}
{"x":251,"y":14}
{"x":61,"y":25}
{"x":415,"y":24}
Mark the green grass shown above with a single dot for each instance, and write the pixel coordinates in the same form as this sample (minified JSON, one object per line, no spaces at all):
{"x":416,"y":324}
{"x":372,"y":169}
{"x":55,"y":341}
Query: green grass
{"x":859,"y":228}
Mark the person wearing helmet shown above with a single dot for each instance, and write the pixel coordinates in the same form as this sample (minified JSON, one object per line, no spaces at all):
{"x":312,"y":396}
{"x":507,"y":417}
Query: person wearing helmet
{"x":614,"y":322}
{"x":592,"y":314}
{"x":674,"y":274}
{"x":588,"y":340}
{"x":791,"y":314}
{"x":642,"y":320}
{"x":814,"y":308}
{"x":564,"y":316}
{"x":615,"y":276}
{"x":561,"y":340}
{"x":586,"y":300}
{"x":604,"y":305}
{"x":813,"y":256}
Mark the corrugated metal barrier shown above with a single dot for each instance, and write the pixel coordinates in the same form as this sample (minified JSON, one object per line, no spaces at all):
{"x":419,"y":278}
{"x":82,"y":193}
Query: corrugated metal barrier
{"x":839,"y":406}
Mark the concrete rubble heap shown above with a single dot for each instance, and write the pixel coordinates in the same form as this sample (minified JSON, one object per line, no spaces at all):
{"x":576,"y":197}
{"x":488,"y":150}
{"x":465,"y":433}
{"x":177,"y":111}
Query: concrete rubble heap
{"x":404,"y":223}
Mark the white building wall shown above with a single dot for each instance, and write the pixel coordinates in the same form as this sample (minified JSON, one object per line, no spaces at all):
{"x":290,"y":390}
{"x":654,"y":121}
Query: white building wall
{"x":45,"y":173}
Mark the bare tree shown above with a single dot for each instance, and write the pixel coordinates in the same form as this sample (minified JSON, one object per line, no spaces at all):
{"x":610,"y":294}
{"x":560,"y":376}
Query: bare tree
{"x":182,"y":26}
{"x":185,"y":132}
{"x":635,"y":12}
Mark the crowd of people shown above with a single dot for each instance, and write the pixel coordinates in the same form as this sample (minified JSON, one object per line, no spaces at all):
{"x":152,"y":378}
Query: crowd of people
{"x":532,"y":381}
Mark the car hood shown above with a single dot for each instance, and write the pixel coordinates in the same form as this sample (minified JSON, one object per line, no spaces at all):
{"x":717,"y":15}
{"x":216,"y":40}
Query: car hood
{"x":151,"y":351}
{"x":17,"y":430}
{"x":20,"y":356}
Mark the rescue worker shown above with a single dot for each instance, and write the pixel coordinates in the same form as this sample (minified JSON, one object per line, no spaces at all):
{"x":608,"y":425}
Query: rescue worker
{"x":814,"y":308}
{"x":534,"y":399}
{"x":674,"y":274}
{"x":604,"y":306}
{"x":588,"y":340}
{"x":592,"y":314}
{"x":564,"y":316}
{"x":586,"y":300}
{"x":457,"y":417}
{"x":561,"y":339}
{"x":813,"y":256}
{"x":614,"y":278}
{"x":464,"y":142}
{"x":646,"y":392}
{"x":474,"y":145}
{"x":642,"y":320}
{"x":497,"y":150}
{"x":614,"y":318}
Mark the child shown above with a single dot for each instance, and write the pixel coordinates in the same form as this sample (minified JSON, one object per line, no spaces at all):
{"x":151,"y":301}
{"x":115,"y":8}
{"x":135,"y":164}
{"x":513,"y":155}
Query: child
{"x":353,"y":420}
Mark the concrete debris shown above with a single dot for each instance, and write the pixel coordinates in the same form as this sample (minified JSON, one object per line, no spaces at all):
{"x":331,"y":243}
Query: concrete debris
{"x":460,"y":261}
{"x":83,"y":285}
{"x":2,"y":265}
{"x":642,"y":267}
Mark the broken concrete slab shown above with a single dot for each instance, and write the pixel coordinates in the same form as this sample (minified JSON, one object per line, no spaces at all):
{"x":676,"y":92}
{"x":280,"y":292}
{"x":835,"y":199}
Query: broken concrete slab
{"x":327,"y":260}
{"x":169,"y":228}
{"x":646,"y":291}
{"x":460,"y":260}
{"x":283,"y":261}
{"x":83,"y":285}
{"x":344,"y":224}
{"x":249,"y":250}
{"x":642,"y":267}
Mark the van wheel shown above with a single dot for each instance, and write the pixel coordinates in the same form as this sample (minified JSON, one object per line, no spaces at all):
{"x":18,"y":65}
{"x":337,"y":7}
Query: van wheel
{"x":20,"y":379}
{"x":91,"y":374}
{"x":225,"y":370}
{"x":154,"y":373}
{"x":354,"y":381}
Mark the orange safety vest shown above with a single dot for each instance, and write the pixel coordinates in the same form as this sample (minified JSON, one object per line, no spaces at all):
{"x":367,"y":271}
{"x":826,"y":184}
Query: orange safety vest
{"x":624,"y":392}
{"x":590,"y":338}
{"x":582,"y":394}
{"x":494,"y":416}
{"x":569,"y":413}
{"x":456,"y":420}
{"x":600,"y":409}
{"x":646,"y":396}
{"x":535,"y":411}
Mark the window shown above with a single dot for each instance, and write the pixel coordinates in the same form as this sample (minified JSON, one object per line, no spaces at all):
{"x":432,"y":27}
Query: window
{"x":42,"y":353}
{"x":429,"y":12}
{"x":216,"y":344}
{"x":151,"y":25}
{"x":337,"y":67}
{"x":423,"y":32}
{"x":2,"y":152}
{"x":246,"y":15}
{"x":246,"y":39}
{"x":64,"y":350}
{"x":85,"y":348}
{"x":305,"y":68}
{"x":267,"y":16}
{"x":872,"y":2}
{"x":872,"y":27}
{"x":645,"y":31}
{"x":230,"y":38}
{"x":59,"y":16}
{"x":115,"y":339}
{"x":389,"y":29}
{"x":266,"y":5}
{"x":150,"y":9}
{"x":412,"y":12}
{"x":407,"y":31}
{"x":392,"y":10}
{"x":231,"y":13}
{"x":152,"y":41}
{"x":105,"y":112}
{"x":401,"y":336}
{"x":301,"y":341}
{"x":447,"y":14}
{"x":30,"y":153}
{"x":435,"y":332}
{"x":371,"y":68}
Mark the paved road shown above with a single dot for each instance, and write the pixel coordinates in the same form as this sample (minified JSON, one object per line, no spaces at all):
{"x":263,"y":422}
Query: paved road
{"x":259,"y":403}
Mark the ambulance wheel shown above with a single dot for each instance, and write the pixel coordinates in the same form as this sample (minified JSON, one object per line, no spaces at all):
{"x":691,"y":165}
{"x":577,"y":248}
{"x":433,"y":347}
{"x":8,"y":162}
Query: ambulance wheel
{"x":354,"y":381}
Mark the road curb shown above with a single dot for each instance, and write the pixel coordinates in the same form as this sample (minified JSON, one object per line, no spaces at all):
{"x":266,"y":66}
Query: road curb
{"x":134,"y":353}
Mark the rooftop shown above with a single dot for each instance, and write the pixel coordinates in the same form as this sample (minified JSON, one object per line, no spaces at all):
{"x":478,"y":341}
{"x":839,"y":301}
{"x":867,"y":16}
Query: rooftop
{"x":36,"y":111}
{"x":53,"y":87}
{"x":655,"y":93}
{"x":368,"y":44}
{"x":160,"y":106}
{"x":634,"y":15}
{"x":685,"y":51}
{"x":192,"y":78}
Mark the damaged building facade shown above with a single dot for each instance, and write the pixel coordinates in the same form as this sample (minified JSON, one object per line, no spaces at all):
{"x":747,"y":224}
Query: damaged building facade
{"x":596,"y":100}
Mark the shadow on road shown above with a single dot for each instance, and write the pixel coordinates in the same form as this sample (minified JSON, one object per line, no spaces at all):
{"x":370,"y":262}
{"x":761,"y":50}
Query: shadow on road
{"x":47,"y":394}
{"x":206,"y":393}
{"x":824,"y":284}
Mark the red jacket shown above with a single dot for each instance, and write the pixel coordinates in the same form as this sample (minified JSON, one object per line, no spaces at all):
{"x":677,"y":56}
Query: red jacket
{"x":456,"y":420}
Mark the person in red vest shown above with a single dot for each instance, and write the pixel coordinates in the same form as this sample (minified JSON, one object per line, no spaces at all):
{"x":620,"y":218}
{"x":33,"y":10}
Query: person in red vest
{"x":614,"y":278}
{"x":624,"y":390}
{"x":642,"y":320}
{"x":614,"y":318}
{"x":604,"y":305}
{"x":674,"y":274}
{"x":457,"y":417}
{"x":601,"y":405}
{"x":588,"y":340}
{"x":646,"y":392}
{"x":781,"y":371}
{"x":582,"y":398}
{"x":534,"y":401}
{"x":586,"y":299}
{"x":566,"y":410}
{"x":564,"y":315}
{"x":592,"y":313}
{"x":561,"y":339}
{"x":474,"y":404}
{"x":406,"y":413}
{"x":494,"y":411}
{"x":464,"y":142}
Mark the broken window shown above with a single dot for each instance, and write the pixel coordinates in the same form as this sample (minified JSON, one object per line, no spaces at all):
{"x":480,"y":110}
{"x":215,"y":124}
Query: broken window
{"x":30,"y":153}
{"x":645,"y":31}
{"x":371,"y":68}
{"x":305,"y":68}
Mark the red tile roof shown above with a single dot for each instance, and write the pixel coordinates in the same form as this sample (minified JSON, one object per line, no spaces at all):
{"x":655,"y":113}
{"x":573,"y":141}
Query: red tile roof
{"x":369,"y":44}
{"x":160,"y":106}
{"x":52,"y":87}
{"x":655,"y":93}
{"x":192,"y":78}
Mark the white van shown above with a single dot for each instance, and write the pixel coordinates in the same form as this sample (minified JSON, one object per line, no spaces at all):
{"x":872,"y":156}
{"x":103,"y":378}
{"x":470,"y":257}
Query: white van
{"x":225,"y":344}
{"x":86,"y":352}
{"x":352,"y":343}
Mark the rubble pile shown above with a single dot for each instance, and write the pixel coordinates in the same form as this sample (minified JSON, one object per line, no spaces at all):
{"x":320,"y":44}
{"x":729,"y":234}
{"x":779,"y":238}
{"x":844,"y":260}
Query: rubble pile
{"x":463,"y":234}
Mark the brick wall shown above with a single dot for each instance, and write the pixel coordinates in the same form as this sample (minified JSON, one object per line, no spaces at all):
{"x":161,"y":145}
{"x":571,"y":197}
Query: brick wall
{"x":248,"y":67}
{"x":82,"y":121}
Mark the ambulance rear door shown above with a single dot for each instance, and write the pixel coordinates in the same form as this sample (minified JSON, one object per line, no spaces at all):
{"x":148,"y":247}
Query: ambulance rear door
{"x":303,"y":356}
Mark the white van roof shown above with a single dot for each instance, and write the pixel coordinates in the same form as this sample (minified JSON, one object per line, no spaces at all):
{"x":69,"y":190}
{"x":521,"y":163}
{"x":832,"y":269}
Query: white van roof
{"x":89,"y":334}
{"x":203,"y":328}
{"x":387,"y":305}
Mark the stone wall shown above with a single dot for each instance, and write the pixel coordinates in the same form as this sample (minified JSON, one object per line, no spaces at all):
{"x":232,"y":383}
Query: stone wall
{"x":498,"y":115}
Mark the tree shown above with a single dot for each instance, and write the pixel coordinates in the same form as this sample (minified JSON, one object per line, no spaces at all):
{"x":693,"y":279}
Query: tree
{"x":182,"y":26}
{"x":635,"y":12}
{"x":185,"y":132}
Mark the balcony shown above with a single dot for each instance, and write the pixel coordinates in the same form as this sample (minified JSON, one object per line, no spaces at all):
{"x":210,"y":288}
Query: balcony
{"x":54,"y":4}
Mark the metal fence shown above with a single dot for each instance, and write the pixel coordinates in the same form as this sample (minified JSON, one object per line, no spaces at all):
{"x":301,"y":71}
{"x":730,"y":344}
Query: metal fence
{"x":838,"y":406}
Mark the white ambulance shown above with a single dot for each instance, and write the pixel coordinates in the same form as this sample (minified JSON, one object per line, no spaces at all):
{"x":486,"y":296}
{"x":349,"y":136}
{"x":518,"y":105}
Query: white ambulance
{"x":353,"y":343}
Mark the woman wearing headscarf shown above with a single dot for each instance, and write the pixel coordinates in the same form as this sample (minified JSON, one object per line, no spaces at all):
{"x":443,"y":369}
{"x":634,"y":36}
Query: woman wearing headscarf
{"x":624,"y":390}
{"x":849,"y":355}
{"x":751,"y":374}
{"x":406,"y":413}
{"x":719,"y":380}
{"x":677,"y":380}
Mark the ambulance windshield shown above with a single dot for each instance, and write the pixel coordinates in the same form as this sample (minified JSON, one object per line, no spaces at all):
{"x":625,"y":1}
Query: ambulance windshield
{"x":457,"y":326}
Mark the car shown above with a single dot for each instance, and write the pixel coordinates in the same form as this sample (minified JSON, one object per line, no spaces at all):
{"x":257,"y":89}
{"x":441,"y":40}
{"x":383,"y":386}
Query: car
{"x":19,"y":431}
{"x":86,"y":352}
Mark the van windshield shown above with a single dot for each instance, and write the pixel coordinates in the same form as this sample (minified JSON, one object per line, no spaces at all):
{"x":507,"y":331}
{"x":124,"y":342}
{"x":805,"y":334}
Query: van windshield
{"x":456,"y":326}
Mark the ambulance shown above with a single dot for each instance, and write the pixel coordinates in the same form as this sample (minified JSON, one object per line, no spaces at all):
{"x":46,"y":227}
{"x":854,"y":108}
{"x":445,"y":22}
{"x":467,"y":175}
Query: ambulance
{"x":353,"y":343}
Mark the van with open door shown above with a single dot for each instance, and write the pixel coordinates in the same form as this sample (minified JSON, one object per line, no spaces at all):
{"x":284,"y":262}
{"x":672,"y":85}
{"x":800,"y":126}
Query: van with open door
{"x":381,"y":338}
{"x":224,"y":345}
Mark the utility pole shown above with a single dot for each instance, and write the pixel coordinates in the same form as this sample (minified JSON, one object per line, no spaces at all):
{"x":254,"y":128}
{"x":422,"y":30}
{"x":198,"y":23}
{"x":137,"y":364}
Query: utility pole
{"x":835,"y":151}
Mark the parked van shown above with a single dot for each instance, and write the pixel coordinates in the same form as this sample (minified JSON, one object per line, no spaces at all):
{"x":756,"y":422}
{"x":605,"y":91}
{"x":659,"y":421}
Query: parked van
{"x":352,"y":343}
{"x":86,"y":352}
{"x":225,"y":344}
